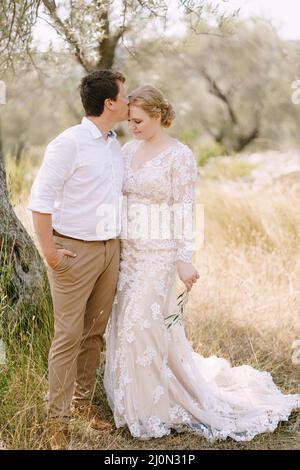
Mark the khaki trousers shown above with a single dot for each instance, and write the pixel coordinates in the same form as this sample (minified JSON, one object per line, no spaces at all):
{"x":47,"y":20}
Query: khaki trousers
{"x":83,"y":290}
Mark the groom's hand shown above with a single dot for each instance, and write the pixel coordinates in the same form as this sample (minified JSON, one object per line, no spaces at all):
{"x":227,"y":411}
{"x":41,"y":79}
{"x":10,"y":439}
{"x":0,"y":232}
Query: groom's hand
{"x":187,"y":274}
{"x":55,"y":257}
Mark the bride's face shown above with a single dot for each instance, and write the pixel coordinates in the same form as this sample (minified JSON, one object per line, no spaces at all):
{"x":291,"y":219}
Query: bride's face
{"x":141,"y":124}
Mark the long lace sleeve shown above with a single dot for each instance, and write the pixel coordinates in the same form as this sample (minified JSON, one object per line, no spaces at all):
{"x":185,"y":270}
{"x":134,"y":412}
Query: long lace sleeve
{"x":184,"y":175}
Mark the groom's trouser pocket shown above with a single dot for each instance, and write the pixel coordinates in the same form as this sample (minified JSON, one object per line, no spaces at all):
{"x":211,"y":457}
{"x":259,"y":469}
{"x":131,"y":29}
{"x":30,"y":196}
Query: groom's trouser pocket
{"x":83,"y":290}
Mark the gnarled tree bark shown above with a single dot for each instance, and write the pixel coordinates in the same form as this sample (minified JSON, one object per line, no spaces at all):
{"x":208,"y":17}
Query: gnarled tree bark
{"x":22,"y":271}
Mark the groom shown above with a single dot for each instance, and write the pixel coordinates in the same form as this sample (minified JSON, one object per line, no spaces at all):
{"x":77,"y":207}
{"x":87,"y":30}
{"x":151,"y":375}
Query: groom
{"x":75,"y":204}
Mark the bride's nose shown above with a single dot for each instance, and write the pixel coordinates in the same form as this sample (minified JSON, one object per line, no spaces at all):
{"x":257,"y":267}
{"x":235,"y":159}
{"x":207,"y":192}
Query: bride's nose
{"x":131,"y":126}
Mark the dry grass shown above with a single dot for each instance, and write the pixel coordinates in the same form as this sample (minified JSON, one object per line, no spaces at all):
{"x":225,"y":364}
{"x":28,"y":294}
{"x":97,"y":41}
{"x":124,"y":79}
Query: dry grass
{"x":246,"y":308}
{"x":227,"y":167}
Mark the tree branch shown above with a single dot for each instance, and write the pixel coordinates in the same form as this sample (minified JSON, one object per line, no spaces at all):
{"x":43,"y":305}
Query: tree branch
{"x":64,"y":30}
{"x":215,"y":90}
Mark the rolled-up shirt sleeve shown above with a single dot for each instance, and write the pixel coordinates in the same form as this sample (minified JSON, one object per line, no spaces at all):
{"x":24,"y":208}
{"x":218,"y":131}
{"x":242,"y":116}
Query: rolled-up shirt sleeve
{"x":58,"y":165}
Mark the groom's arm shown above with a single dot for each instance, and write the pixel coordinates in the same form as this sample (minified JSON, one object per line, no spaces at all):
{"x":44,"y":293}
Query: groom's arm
{"x":42,"y":224}
{"x":58,"y":165}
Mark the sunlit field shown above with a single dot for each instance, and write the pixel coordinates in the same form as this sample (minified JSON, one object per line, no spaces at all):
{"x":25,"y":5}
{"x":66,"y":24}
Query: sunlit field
{"x":245,"y":308}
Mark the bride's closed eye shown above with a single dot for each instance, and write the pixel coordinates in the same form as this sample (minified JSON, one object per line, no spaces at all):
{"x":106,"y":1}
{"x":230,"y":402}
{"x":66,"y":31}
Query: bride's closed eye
{"x":136,"y":121}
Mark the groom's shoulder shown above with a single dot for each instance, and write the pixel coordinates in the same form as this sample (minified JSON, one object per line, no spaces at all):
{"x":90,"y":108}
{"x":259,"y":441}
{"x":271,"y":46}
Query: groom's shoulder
{"x":74,"y":132}
{"x":66,"y":135}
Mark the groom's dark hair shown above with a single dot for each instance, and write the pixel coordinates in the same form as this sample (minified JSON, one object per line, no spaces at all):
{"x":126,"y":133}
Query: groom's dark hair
{"x":98,"y":86}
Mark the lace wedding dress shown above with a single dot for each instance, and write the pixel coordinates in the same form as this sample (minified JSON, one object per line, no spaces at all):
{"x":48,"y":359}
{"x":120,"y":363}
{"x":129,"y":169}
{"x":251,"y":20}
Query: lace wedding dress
{"x":153,"y":379}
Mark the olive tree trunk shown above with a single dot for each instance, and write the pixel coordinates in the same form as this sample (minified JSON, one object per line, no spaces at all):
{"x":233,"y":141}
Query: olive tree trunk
{"x":22,"y":271}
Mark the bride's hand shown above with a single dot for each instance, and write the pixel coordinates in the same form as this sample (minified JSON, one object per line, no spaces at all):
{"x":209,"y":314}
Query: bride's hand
{"x":187,"y":274}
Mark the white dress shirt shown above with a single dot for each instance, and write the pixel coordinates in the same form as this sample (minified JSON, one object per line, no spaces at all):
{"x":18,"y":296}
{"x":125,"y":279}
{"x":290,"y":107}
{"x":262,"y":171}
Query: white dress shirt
{"x":80,"y":183}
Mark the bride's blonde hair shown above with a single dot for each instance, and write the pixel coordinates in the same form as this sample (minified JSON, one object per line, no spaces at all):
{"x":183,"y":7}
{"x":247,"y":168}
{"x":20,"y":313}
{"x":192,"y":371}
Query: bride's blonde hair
{"x":152,"y":101}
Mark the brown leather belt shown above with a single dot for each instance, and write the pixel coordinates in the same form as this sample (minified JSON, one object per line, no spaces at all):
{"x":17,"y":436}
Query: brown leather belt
{"x":57,"y":234}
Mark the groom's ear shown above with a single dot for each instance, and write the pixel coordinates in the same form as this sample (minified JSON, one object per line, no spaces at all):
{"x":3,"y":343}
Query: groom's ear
{"x":108,"y":103}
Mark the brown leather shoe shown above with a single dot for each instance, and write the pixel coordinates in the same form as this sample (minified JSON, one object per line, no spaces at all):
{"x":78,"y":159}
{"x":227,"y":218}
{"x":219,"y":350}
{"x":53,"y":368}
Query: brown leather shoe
{"x":91,"y":413}
{"x":58,"y":434}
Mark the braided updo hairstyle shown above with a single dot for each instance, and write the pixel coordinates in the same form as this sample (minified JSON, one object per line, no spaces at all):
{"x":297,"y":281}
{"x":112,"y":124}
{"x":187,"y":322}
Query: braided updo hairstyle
{"x":152,"y":101}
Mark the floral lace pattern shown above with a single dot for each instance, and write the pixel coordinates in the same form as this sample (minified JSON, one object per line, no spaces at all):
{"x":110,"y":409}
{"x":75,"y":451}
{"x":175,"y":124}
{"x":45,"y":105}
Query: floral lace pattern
{"x":167,"y":180}
{"x":154,"y":381}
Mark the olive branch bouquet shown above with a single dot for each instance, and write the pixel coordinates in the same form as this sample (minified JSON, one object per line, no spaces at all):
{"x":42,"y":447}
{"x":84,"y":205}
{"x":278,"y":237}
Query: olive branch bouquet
{"x":177,"y":316}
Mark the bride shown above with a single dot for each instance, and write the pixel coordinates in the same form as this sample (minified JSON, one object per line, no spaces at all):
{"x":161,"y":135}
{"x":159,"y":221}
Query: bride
{"x":153,"y":379}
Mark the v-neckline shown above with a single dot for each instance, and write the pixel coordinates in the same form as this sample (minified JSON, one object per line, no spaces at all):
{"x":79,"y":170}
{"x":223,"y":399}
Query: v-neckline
{"x":150,"y":160}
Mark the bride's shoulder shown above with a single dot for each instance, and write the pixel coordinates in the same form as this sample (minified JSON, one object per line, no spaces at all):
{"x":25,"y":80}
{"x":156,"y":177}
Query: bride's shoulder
{"x":182,"y":146}
{"x":183,"y":151}
{"x":184,"y":161}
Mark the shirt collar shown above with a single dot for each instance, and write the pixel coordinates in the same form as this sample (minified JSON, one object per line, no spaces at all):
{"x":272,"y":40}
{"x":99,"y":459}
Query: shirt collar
{"x":94,"y":130}
{"x":112,"y":134}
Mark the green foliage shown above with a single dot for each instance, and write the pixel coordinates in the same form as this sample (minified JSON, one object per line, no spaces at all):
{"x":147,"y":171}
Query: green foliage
{"x":205,"y":153}
{"x":189,"y":135}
